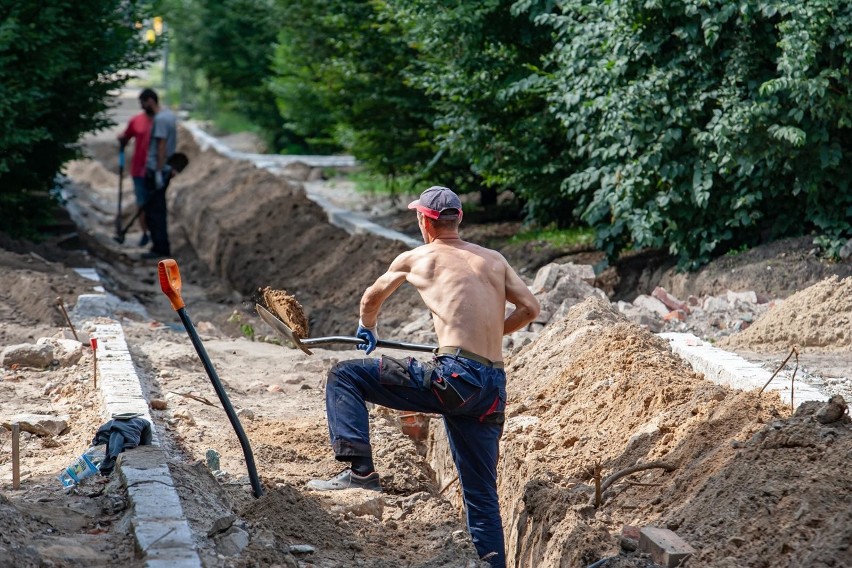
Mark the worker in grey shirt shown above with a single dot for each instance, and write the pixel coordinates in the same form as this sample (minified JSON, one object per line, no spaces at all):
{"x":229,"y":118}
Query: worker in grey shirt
{"x":157,"y":173}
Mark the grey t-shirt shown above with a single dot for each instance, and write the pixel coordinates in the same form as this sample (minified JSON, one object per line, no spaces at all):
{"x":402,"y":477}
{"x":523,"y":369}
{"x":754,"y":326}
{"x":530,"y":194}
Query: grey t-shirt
{"x":163,"y":126}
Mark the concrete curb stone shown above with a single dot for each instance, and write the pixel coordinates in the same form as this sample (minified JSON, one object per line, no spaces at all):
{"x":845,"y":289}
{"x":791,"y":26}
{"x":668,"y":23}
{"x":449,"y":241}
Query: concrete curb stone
{"x":162,"y":533}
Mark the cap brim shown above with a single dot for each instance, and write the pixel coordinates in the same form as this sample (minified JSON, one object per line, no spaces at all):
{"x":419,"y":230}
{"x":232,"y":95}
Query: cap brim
{"x":431,"y":213}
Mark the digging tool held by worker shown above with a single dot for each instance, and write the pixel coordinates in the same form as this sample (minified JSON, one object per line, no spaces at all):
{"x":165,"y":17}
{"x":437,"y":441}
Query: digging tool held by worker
{"x":466,"y":288}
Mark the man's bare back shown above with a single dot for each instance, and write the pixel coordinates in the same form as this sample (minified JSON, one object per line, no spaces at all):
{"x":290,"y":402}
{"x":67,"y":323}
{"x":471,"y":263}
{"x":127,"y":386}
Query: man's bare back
{"x":465,"y":286}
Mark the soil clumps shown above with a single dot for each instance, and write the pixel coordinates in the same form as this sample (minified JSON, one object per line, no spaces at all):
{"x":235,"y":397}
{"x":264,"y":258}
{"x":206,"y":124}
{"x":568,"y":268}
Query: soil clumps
{"x":288,"y":310}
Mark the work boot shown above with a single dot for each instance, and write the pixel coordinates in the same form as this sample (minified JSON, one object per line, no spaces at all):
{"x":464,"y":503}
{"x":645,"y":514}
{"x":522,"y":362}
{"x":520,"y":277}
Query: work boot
{"x":347,"y":479}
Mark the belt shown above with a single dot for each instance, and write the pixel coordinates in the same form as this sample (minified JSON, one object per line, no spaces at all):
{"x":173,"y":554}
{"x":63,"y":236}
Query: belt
{"x":459,"y":352}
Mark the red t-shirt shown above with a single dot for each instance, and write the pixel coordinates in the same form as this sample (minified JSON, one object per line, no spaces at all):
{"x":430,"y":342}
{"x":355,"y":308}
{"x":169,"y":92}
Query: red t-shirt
{"x":139,"y":127}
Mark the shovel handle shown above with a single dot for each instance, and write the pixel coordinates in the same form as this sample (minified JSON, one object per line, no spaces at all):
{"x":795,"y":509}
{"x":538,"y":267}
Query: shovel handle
{"x":170,"y":282}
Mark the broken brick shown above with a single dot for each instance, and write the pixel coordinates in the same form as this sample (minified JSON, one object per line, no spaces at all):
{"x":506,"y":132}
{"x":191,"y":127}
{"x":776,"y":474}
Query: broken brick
{"x":670,"y":301}
{"x":678,"y":315}
{"x":664,"y":546}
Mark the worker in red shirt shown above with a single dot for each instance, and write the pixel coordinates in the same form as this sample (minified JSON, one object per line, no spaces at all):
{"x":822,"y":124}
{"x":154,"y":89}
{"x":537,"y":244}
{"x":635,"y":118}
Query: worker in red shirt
{"x":139,"y":128}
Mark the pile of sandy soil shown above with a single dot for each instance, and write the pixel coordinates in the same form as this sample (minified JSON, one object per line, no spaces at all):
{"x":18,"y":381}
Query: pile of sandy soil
{"x":29,"y":287}
{"x":594,"y":388}
{"x":818,"y":318}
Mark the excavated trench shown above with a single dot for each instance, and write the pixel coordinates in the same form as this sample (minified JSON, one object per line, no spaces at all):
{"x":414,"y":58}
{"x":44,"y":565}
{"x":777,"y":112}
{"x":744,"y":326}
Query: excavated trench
{"x":591,"y":390}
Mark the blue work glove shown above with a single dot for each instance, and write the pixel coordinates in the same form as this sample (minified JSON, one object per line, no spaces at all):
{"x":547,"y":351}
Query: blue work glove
{"x":158,"y":179}
{"x":368,"y":334}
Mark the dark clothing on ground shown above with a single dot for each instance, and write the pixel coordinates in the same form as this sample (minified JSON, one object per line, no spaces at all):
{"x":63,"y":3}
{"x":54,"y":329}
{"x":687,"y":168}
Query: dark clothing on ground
{"x":120,"y":435}
{"x":469,"y":394}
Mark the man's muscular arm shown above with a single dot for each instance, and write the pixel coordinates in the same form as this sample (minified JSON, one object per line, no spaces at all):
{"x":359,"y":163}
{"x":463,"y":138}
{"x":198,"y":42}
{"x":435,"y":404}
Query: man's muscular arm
{"x":527,"y":307}
{"x":382,"y":288}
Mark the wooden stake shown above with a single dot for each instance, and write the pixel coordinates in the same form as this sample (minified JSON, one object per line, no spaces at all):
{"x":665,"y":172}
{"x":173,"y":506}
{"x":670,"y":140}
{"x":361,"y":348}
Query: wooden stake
{"x":94,"y":343}
{"x":16,"y":456}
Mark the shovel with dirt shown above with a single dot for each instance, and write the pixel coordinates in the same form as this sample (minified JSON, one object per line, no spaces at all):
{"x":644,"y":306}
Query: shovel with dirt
{"x":284,"y":315}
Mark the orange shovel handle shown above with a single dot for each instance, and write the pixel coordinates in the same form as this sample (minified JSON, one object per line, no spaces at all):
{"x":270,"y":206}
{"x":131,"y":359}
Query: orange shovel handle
{"x":170,"y":282}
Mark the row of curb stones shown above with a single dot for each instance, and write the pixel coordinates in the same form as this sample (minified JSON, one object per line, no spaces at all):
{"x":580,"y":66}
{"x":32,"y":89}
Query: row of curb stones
{"x":159,"y":525}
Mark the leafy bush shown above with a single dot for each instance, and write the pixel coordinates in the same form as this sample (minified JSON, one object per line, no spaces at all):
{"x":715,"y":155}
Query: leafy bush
{"x":58,"y":61}
{"x":705,"y":125}
{"x":341,"y":80}
{"x":223,"y":54}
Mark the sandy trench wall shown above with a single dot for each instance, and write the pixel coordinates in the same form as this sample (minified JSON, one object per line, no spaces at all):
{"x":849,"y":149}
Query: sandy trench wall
{"x":593,"y":388}
{"x":254,"y":229}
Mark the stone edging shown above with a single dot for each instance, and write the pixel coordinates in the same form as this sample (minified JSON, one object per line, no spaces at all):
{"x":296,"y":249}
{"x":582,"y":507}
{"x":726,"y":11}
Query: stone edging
{"x":725,"y":368}
{"x":160,"y":528}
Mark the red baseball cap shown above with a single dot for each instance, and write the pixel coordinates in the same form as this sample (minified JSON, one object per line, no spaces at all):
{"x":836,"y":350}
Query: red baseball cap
{"x":438,"y":203}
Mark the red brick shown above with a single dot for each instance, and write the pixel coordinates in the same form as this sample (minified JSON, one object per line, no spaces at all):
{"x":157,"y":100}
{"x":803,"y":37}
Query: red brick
{"x":670,"y":301}
{"x":675,"y":315}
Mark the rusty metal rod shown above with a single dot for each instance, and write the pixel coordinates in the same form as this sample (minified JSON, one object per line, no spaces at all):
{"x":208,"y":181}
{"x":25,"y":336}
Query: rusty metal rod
{"x":61,"y":305}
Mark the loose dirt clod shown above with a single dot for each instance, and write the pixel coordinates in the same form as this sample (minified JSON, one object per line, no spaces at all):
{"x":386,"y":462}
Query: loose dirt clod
{"x":288,"y":310}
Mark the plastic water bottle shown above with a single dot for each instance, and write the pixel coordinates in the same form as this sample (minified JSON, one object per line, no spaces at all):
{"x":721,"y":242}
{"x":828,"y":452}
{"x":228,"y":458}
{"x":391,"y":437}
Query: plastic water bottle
{"x":84,"y":466}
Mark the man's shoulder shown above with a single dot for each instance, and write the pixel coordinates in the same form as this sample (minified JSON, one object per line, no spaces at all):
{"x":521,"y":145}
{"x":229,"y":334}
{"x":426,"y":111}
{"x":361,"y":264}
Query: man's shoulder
{"x":140,"y":119}
{"x":166,"y":116}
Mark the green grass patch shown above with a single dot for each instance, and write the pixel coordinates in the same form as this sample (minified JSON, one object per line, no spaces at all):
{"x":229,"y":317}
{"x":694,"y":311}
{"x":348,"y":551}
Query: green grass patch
{"x":574,"y":237}
{"x":376,"y":184}
{"x":233,"y":122}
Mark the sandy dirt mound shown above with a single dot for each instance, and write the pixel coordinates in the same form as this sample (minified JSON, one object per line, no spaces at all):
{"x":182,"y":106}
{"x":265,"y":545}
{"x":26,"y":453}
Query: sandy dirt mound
{"x":29,"y":287}
{"x":95,"y":174}
{"x":818,"y":318}
{"x":596,"y":389}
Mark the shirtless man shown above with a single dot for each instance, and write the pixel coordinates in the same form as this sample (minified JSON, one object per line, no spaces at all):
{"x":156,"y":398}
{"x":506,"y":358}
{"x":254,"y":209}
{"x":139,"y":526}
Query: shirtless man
{"x":466,"y":288}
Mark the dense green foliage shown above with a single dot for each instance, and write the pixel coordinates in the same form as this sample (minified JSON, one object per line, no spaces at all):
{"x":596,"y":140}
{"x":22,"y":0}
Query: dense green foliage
{"x":58,"y":60}
{"x":222,"y":52}
{"x":698,"y":126}
{"x":474,"y":59}
{"x":704,"y":125}
{"x":341,"y":82}
{"x":695,"y":125}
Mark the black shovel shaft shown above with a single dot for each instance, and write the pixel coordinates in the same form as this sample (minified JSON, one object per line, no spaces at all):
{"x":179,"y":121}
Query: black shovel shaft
{"x":257,"y":489}
{"x":348,"y":340}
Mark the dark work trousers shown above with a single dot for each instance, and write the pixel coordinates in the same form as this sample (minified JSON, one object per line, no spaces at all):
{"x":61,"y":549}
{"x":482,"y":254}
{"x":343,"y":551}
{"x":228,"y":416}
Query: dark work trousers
{"x":472,"y":398}
{"x":156,"y":214}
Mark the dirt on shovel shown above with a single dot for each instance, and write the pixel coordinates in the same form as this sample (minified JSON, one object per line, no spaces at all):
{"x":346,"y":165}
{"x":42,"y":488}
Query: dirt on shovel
{"x":288,"y":310}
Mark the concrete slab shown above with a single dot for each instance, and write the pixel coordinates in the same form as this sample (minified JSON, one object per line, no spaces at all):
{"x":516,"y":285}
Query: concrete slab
{"x":726,"y":368}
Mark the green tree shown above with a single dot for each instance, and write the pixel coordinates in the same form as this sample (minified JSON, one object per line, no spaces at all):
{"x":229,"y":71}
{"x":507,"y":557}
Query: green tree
{"x":58,"y":61}
{"x":482,"y":63}
{"x":704,"y":125}
{"x":341,"y":80}
{"x":223,"y":52}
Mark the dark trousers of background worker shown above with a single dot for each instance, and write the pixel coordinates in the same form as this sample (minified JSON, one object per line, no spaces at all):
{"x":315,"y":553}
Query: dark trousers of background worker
{"x":472,"y":398}
{"x":156,"y":214}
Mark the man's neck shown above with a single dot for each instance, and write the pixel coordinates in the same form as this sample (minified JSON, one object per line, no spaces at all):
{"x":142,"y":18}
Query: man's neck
{"x":445,"y":237}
